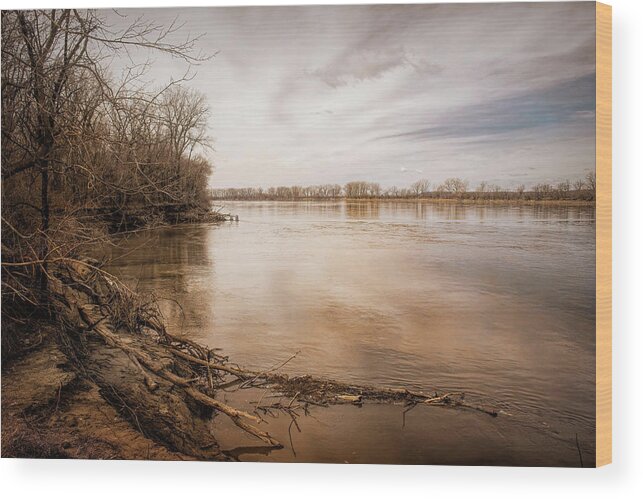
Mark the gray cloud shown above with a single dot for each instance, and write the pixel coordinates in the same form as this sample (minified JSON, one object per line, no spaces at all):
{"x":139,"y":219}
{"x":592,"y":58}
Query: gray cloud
{"x":557,"y":104}
{"x":370,"y":64}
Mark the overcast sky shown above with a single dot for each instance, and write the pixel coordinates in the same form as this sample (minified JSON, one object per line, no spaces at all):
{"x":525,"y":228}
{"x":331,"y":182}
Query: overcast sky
{"x":307,"y":95}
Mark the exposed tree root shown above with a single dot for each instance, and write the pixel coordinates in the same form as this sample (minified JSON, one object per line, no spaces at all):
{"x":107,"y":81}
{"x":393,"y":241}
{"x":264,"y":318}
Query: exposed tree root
{"x":114,"y":338}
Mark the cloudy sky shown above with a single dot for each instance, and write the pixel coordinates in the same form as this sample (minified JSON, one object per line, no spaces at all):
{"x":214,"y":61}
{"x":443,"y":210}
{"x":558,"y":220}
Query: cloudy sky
{"x":307,"y":95}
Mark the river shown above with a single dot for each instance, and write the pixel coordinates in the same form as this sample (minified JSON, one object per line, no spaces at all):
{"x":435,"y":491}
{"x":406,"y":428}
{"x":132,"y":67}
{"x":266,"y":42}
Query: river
{"x":492,"y":300}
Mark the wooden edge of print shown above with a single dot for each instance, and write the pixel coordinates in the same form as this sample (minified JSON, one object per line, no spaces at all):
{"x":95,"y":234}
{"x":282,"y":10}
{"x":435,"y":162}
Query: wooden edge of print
{"x":603,"y":234}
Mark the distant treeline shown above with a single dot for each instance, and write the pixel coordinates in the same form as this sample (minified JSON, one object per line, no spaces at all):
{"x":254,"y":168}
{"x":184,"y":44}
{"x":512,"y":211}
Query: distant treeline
{"x":452,"y":188}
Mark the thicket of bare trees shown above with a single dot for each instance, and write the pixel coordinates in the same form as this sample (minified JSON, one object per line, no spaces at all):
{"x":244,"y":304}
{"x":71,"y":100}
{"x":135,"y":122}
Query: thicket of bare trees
{"x":75,"y":141}
{"x":325,"y":191}
{"x":451,"y":188}
{"x":362,"y":190}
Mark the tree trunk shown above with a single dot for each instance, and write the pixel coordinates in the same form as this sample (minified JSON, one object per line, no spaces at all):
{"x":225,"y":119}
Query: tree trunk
{"x":44,"y":226}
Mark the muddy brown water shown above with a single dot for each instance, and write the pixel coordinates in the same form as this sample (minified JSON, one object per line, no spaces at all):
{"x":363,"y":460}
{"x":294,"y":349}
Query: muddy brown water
{"x":494,"y":301}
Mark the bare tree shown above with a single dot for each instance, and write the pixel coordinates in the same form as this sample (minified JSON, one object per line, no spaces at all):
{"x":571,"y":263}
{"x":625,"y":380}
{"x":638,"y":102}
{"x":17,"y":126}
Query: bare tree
{"x":454,"y":185}
{"x":420,"y":187}
{"x":543,"y":190}
{"x":185,"y":115}
{"x":359,"y":189}
{"x":563,"y":189}
{"x":590,"y":180}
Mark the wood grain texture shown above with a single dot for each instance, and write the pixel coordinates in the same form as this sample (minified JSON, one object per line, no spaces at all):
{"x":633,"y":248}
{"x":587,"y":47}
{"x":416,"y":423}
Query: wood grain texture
{"x":603,"y":234}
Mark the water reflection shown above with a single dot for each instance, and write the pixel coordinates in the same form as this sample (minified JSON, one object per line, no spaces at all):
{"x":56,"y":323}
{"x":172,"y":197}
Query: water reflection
{"x":362,"y":209}
{"x":497,"y":301}
{"x":168,"y":264}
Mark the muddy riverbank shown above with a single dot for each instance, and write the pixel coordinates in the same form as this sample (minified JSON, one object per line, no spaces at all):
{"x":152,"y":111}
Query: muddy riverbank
{"x":49,"y":411}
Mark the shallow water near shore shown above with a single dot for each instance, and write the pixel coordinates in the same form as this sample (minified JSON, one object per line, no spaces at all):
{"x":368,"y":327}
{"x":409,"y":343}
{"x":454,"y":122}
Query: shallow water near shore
{"x":495,"y":301}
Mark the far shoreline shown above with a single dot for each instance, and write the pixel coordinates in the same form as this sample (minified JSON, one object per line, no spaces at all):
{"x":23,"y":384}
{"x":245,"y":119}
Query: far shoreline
{"x":449,"y":201}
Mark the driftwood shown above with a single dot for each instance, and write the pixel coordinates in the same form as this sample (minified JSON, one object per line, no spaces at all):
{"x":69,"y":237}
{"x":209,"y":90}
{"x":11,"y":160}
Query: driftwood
{"x":318,"y":391}
{"x":115,"y":338}
{"x":236,"y":416}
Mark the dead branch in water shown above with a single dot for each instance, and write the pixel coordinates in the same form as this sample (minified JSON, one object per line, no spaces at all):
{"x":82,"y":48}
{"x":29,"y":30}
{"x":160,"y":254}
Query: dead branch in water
{"x":318,"y":391}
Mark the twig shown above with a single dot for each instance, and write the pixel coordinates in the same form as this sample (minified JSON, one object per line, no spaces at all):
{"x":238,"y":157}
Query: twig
{"x":274,"y":368}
